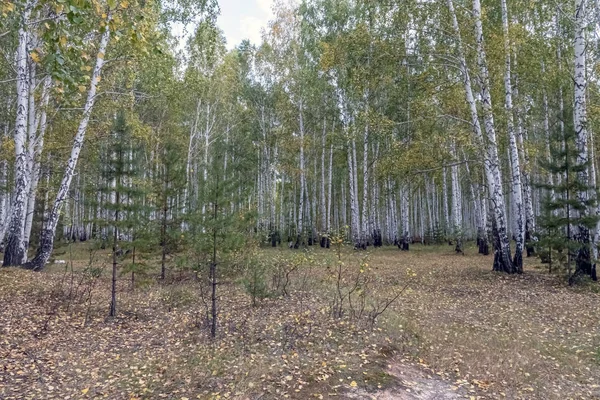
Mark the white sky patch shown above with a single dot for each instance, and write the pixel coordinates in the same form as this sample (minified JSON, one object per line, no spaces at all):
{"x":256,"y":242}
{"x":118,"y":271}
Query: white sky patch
{"x":244,"y":19}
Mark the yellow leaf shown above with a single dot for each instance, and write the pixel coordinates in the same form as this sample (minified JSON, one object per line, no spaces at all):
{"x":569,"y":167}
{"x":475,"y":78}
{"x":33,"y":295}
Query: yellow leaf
{"x":124,"y":4}
{"x":81,"y":88}
{"x":104,"y":16}
{"x":62,"y":40}
{"x":99,"y":78}
{"x":101,"y":55}
{"x":353,"y":384}
{"x":84,"y":391}
{"x":35,"y":57}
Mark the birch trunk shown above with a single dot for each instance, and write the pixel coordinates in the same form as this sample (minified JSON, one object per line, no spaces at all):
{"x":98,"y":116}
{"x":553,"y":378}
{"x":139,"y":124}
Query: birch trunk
{"x":583,"y":260}
{"x":457,"y":228}
{"x":47,"y":235}
{"x":4,"y":192}
{"x":445,"y":200}
{"x":300,"y":232}
{"x":525,"y":175}
{"x":205,"y":159}
{"x":374,"y":213}
{"x":329,"y":187}
{"x":322,"y":204}
{"x":15,"y":251}
{"x":517,"y":187}
{"x":354,"y":212}
{"x":37,"y":144}
{"x":394,"y":212}
{"x":547,"y":135}
{"x":405,"y":214}
{"x":189,"y":163}
{"x":491,"y":163}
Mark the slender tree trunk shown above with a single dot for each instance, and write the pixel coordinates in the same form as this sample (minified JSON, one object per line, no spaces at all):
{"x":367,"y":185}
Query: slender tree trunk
{"x":547,"y":135}
{"x":491,"y":162}
{"x":517,"y":187}
{"x":353,"y":187}
{"x":189,"y":162}
{"x":301,"y":204}
{"x":35,"y":154}
{"x":445,"y":200}
{"x":322,"y":204}
{"x":115,"y":248}
{"x":329,"y":187}
{"x":365,"y":228}
{"x":163,"y":226}
{"x":47,"y":235}
{"x":525,"y":173}
{"x":213,"y":265}
{"x":15,"y":251}
{"x":583,"y":260}
{"x":457,"y":217}
{"x":4,"y":192}
{"x":405,"y":213}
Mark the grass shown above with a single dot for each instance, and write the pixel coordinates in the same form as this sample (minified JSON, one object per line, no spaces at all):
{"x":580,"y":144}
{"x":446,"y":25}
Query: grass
{"x":488,"y":335}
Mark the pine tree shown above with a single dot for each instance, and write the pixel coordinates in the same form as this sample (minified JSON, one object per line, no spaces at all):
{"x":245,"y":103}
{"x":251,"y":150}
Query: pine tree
{"x":562,"y":209}
{"x":222,"y":230}
{"x":120,"y":166}
{"x":168,"y":186}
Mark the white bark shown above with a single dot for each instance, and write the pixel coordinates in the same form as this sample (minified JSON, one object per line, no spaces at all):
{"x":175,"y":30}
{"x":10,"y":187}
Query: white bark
{"x":394,"y":212}
{"x":580,"y":102}
{"x":374,"y":215}
{"x":525,"y":164}
{"x":547,"y":135}
{"x":405,"y":213}
{"x":490,"y":151}
{"x":189,"y":162}
{"x":15,"y":251}
{"x":322,"y":204}
{"x":37,"y":145}
{"x":4,"y":191}
{"x":365,"y":228}
{"x":456,"y":199}
{"x":517,"y":187}
{"x":580,"y":125}
{"x":329,"y":187}
{"x":353,"y":188}
{"x":445,"y":200}
{"x":47,"y":235}
{"x":302,"y":172}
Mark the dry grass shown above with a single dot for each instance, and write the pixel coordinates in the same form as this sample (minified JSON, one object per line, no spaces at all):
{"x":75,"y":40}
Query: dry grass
{"x":528,"y":336}
{"x":488,"y":335}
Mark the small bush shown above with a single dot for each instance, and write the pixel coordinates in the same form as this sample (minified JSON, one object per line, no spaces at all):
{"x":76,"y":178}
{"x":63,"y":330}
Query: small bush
{"x":255,"y":281}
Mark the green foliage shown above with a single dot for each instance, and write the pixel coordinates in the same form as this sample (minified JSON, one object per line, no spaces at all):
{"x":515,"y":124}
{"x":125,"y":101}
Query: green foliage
{"x":255,"y":281}
{"x":563,"y":210}
{"x":121,"y":190}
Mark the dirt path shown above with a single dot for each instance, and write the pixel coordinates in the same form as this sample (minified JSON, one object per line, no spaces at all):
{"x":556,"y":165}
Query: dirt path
{"x":412,"y":383}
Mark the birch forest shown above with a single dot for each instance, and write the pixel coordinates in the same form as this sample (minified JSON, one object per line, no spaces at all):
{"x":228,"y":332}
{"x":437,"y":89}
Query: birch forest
{"x":363,"y":156}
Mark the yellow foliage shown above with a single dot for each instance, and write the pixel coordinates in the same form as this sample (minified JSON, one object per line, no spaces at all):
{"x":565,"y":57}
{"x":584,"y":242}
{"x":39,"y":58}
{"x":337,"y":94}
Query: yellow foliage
{"x":35,"y":57}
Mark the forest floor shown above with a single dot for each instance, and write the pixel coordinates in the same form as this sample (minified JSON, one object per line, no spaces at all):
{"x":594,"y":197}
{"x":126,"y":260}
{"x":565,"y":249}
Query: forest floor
{"x":457,"y":330}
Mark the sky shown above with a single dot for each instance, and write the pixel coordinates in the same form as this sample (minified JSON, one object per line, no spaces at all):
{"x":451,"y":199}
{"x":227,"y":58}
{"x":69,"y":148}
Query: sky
{"x":244,"y":19}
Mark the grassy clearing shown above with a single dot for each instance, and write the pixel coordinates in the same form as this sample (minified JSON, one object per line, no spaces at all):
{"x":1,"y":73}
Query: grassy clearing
{"x":488,"y":335}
